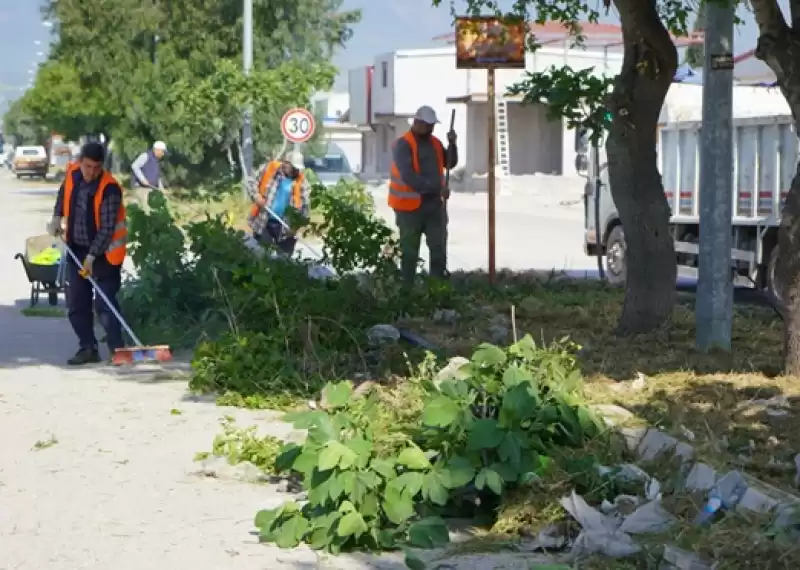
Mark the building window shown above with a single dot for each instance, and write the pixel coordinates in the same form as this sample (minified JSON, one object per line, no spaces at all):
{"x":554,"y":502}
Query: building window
{"x":384,"y":74}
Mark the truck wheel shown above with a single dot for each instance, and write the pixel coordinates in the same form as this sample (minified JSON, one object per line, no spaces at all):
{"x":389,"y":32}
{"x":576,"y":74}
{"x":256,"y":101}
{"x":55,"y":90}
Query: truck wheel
{"x":616,"y":261}
{"x":774,"y":287}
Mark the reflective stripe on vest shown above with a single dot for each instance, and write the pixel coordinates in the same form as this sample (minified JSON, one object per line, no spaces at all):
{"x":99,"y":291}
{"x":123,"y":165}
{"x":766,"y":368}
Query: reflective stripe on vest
{"x":402,"y":197}
{"x":116,"y":250}
{"x":266,"y":179}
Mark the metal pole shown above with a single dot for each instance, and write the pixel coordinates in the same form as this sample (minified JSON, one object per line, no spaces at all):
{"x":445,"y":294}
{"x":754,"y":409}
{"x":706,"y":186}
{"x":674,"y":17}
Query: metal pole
{"x":247,"y":49}
{"x":714,"y":308}
{"x":490,"y":180}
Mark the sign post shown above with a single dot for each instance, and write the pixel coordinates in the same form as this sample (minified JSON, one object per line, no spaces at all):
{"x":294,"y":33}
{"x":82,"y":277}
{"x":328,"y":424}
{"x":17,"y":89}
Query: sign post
{"x":298,"y":125}
{"x":490,"y":43}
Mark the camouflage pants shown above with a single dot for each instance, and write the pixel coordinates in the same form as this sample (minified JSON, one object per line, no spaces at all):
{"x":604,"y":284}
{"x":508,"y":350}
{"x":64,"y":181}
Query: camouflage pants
{"x":430,"y":220}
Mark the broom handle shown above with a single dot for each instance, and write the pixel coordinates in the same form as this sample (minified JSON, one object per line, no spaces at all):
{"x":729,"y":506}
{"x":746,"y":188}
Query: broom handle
{"x":105,"y":298}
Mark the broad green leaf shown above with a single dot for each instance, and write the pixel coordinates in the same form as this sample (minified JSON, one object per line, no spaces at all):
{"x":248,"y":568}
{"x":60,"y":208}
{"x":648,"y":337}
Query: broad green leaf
{"x":265,"y":518}
{"x":484,"y":434}
{"x":508,"y":473}
{"x":287,"y":458}
{"x":337,"y":395}
{"x":334,"y":455}
{"x":516,"y":375}
{"x":489,"y":478}
{"x":398,"y":506}
{"x":488,"y":355}
{"x":441,"y":411}
{"x":292,"y":532}
{"x":455,"y":389}
{"x":413,"y":458}
{"x":525,"y":347}
{"x":510,"y":449}
{"x":434,"y":489}
{"x":429,"y":532}
{"x":384,"y":467}
{"x":351,"y":524}
{"x":457,"y":472}
{"x":413,"y":562}
{"x":409,"y":483}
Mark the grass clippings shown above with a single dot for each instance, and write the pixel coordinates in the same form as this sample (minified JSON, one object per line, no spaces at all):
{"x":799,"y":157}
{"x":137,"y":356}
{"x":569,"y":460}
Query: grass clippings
{"x":46,"y":312}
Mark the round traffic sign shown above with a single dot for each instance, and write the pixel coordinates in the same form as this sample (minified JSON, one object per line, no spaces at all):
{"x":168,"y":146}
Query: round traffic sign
{"x":298,"y":125}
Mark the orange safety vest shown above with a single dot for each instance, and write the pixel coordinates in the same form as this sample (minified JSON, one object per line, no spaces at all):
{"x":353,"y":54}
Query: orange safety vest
{"x":115,"y":253}
{"x":401,"y":196}
{"x":263,"y":185}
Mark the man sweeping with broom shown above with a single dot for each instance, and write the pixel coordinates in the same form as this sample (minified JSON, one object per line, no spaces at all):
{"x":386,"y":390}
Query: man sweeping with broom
{"x":90,"y":202}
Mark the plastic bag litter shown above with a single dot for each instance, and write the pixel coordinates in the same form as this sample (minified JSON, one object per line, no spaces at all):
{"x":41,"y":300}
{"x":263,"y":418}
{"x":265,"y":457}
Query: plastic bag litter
{"x":610,"y":535}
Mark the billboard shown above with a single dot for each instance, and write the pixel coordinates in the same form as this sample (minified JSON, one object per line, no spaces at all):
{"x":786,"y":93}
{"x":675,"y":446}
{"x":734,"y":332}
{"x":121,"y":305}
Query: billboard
{"x":488,"y":41}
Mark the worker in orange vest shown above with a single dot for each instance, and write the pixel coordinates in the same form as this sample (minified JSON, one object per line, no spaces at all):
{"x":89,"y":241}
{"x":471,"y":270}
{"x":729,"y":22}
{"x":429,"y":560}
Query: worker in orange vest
{"x":417,"y":194}
{"x":280,"y":186}
{"x":90,"y":206}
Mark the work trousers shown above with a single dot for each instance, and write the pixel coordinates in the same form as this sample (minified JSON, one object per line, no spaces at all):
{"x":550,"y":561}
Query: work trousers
{"x":275,"y":234}
{"x":82,"y":302}
{"x":430,"y":220}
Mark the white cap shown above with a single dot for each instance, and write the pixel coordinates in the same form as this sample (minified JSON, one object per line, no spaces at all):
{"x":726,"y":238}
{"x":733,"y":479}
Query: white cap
{"x":296,"y":160}
{"x":160,"y":145}
{"x":426,"y":115}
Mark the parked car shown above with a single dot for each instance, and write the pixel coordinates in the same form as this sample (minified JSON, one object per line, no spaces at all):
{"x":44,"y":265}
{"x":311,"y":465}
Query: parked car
{"x":331,"y":167}
{"x":31,"y":161}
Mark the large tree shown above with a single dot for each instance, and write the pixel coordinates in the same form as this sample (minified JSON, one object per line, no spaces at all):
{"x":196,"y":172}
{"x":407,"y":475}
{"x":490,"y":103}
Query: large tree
{"x":779,"y":47}
{"x":171,"y":70}
{"x":22,"y":126}
{"x":633,"y":105}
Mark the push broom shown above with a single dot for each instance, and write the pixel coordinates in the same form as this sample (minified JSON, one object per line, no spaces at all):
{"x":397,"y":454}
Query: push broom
{"x":130,"y":354}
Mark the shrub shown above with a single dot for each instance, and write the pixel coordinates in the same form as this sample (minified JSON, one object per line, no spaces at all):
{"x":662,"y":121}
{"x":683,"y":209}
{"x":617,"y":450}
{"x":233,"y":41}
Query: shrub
{"x":489,"y":428}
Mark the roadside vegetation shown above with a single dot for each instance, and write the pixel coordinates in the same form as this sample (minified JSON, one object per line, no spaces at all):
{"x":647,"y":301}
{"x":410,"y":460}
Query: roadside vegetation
{"x":493,"y":422}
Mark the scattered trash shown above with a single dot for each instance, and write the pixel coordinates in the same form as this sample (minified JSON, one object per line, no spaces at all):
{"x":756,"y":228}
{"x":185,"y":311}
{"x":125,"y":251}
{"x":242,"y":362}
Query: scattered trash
{"x":451,"y":370}
{"x":640,"y":383}
{"x":726,"y":494}
{"x":677,"y":559}
{"x":449,"y":316}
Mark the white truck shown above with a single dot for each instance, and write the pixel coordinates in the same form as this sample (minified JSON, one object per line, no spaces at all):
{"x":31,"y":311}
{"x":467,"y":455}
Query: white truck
{"x":765,"y":160}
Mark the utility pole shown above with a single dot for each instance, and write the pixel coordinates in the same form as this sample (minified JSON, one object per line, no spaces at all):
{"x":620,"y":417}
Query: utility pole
{"x":714,"y":307}
{"x":247,"y":49}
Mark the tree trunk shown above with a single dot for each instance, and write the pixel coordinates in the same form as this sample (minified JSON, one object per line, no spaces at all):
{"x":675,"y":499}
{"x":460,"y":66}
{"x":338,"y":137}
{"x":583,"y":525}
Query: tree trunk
{"x":779,"y":48}
{"x":649,"y":64}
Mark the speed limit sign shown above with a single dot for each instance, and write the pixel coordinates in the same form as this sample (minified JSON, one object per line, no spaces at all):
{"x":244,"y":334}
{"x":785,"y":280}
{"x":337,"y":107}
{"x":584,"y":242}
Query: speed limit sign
{"x":298,"y":125}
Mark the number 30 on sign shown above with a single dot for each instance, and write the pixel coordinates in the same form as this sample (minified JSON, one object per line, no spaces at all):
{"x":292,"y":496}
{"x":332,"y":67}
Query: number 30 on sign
{"x":297,"y":125}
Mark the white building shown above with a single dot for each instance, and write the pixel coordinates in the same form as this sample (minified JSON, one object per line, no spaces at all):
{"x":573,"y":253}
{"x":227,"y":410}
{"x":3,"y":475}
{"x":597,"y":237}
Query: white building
{"x":384,"y":97}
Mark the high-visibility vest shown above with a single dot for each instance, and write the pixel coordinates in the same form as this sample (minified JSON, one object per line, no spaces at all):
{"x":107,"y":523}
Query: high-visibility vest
{"x":266,"y":179}
{"x":116,"y":250}
{"x":402,"y":197}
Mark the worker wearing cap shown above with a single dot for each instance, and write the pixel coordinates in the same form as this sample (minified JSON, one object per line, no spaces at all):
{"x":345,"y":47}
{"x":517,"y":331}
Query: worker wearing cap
{"x":146,"y":172}
{"x":417,"y":193}
{"x":279,"y":187}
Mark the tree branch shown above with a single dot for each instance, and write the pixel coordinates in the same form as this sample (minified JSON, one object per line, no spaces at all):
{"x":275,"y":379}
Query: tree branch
{"x":769,"y":17}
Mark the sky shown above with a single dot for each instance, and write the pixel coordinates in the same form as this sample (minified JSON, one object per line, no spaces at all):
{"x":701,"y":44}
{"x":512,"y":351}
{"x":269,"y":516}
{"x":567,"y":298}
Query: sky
{"x":387,"y":25}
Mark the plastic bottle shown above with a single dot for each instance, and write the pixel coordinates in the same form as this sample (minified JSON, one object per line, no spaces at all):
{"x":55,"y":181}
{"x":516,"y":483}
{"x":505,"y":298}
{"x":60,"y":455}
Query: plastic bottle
{"x":712,"y":506}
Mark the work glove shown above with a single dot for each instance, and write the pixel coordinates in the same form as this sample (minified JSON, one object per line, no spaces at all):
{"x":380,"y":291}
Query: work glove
{"x":88,"y":265}
{"x":53,"y":227}
{"x":445,"y":193}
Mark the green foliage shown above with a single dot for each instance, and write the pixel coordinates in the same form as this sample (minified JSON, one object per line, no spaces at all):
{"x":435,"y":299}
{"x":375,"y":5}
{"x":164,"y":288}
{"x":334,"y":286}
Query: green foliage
{"x":489,"y":429}
{"x":353,"y":236}
{"x":269,"y":334}
{"x":172,"y":71}
{"x":237,"y":445}
{"x":24,"y":127}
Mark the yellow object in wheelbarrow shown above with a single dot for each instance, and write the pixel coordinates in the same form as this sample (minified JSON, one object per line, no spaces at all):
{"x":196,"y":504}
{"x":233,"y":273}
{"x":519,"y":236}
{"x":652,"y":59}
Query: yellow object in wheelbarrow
{"x":49,"y":256}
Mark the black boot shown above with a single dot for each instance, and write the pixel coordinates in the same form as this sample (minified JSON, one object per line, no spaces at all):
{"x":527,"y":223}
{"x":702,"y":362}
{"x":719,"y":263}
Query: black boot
{"x":85,"y":356}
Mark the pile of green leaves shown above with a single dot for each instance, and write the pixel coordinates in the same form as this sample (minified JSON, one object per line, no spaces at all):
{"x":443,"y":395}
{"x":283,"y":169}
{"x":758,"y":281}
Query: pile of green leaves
{"x":489,"y":429}
{"x":355,"y":238}
{"x":265,"y":333}
{"x":237,"y":445}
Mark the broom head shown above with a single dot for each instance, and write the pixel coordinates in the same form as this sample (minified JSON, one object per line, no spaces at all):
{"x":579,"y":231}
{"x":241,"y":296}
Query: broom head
{"x":137,"y":354}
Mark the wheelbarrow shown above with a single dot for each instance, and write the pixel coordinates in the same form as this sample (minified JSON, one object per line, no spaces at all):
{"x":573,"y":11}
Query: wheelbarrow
{"x":44,"y":279}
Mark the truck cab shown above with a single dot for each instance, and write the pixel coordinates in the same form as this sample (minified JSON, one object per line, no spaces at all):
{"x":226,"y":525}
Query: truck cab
{"x":765,"y":161}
